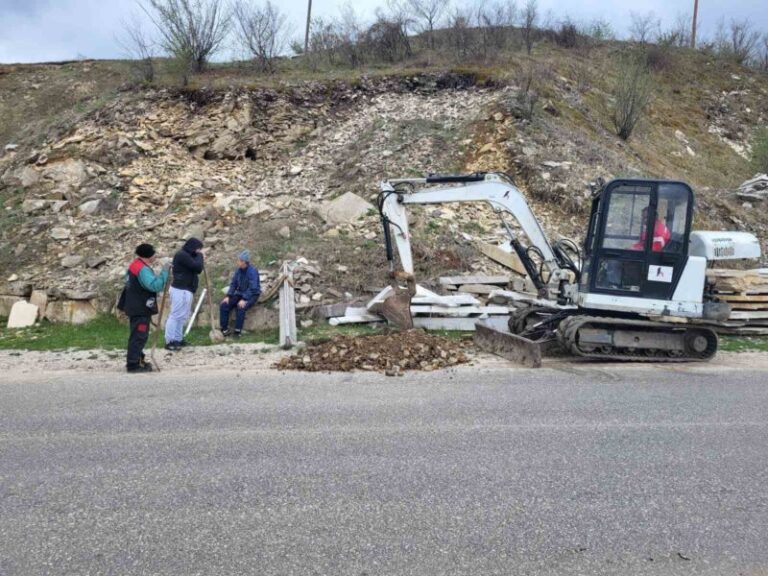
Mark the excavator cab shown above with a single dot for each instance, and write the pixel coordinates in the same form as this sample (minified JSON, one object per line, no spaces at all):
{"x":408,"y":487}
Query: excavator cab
{"x":637,"y":241}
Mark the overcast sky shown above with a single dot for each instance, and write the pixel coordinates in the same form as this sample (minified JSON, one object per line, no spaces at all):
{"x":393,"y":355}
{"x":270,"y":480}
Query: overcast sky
{"x":48,"y":30}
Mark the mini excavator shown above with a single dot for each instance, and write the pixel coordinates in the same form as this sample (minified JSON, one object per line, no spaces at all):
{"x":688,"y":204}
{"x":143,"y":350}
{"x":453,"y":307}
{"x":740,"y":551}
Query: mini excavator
{"x":624,"y":294}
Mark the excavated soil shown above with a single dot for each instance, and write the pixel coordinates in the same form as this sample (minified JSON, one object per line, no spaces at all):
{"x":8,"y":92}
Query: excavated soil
{"x":391,"y":353}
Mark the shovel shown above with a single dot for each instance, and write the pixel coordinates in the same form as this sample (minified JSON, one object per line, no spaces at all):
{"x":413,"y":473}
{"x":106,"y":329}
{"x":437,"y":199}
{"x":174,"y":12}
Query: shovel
{"x":160,"y":321}
{"x":215,"y":334}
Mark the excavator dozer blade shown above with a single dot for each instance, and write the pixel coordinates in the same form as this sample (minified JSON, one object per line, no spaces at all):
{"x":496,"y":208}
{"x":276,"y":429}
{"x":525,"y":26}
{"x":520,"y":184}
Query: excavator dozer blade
{"x":509,"y":346}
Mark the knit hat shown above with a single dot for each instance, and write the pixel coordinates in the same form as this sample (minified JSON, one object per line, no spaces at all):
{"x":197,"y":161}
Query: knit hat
{"x":245,"y":256}
{"x":145,"y":251}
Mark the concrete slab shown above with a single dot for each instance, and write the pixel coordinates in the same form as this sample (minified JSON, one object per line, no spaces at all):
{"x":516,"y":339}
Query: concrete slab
{"x":23,"y":315}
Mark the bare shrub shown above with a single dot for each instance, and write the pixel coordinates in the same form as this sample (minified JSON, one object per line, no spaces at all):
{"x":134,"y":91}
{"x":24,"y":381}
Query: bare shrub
{"x":324,"y":44}
{"x":262,"y":30}
{"x":643,"y":27}
{"x":351,"y":37}
{"x":744,"y":40}
{"x":528,"y":79}
{"x":762,"y":61}
{"x":494,"y":23}
{"x":600,"y":30}
{"x":387,"y":39}
{"x":191,"y":31}
{"x":567,"y":36}
{"x":528,"y":21}
{"x":140,"y":49}
{"x":459,"y":34}
{"x":632,"y":92}
{"x":429,"y":13}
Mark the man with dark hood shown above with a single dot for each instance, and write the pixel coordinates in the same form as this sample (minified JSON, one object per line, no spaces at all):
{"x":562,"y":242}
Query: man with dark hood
{"x":187,"y":266}
{"x":139,"y":302}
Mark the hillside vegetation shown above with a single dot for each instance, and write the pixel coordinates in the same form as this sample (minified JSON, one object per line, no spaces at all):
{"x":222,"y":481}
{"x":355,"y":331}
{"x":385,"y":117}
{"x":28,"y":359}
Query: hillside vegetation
{"x":98,"y":163}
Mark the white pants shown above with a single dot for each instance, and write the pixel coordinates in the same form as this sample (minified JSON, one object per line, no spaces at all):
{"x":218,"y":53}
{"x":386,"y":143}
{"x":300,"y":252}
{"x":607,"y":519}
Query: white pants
{"x":181,"y":310}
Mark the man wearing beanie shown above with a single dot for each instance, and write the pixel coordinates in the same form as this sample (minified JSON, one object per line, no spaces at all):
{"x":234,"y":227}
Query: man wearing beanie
{"x":139,"y":302}
{"x":244,"y":292}
{"x":187,"y":266}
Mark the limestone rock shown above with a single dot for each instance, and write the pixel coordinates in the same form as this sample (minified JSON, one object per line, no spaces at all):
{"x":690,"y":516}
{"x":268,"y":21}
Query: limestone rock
{"x":60,"y":233}
{"x":40,"y":299}
{"x":90,"y":207}
{"x":345,"y":209}
{"x":68,"y":172}
{"x":23,"y":314}
{"x":71,"y":311}
{"x":71,"y":261}
{"x":284,"y":232}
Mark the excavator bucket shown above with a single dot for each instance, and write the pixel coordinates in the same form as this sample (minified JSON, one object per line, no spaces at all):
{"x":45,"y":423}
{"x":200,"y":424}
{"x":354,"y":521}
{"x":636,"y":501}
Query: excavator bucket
{"x":509,"y":346}
{"x":397,"y":309}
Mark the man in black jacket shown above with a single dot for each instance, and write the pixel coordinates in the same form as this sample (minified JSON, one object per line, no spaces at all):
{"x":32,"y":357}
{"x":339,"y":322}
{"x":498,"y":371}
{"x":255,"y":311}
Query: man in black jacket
{"x":187,"y":266}
{"x":139,"y":302}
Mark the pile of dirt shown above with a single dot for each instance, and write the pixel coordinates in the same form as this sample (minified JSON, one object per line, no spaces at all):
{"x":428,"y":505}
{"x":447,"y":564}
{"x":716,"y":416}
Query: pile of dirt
{"x":391,"y":353}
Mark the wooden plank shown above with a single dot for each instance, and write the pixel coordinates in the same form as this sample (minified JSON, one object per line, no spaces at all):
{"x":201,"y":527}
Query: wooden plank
{"x":356,"y":319}
{"x":459,"y":324}
{"x":460,"y":311}
{"x":501,"y":256}
{"x":736,"y":315}
{"x":477,"y":288}
{"x":747,"y":306}
{"x":479,"y":279}
{"x":500,"y":296}
{"x":752,"y":298}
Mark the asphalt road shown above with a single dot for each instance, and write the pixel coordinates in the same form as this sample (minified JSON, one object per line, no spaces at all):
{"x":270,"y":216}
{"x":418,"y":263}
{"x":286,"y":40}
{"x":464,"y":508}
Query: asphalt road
{"x":574,"y":470}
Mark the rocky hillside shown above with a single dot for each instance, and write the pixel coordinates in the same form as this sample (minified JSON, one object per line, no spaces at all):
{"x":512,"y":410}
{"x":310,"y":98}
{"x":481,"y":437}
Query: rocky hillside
{"x":90,"y":168}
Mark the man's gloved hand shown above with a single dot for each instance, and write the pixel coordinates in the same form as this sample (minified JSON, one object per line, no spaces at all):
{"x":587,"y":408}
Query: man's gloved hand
{"x":166,"y":263}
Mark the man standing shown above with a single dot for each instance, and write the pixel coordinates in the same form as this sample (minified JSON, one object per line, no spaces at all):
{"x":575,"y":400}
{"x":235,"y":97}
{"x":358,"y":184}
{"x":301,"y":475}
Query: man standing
{"x":244,"y":292}
{"x":139,"y":302}
{"x":187,"y":266}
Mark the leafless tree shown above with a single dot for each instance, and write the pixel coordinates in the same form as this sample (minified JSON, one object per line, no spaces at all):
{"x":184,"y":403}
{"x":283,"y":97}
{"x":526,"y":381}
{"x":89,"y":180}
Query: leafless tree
{"x":643,"y":27}
{"x":261,"y":30}
{"x":351,"y":34}
{"x":191,"y":31}
{"x":387,"y":38}
{"x":429,"y":12}
{"x":140,"y":49}
{"x":460,"y":33}
{"x":600,"y":30}
{"x":743,"y":41}
{"x":763,"y":61}
{"x":494,"y":22}
{"x":528,"y":20}
{"x":632,"y":93}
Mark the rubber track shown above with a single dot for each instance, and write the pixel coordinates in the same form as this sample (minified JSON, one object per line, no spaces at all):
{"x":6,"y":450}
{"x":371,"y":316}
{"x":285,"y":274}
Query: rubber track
{"x":568,"y":329}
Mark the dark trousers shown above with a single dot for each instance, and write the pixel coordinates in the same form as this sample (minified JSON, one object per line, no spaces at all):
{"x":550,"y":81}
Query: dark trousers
{"x":225,"y":308}
{"x":138,"y":339}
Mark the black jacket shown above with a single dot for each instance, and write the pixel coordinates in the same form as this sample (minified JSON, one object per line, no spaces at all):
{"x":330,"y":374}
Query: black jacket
{"x":187,"y":266}
{"x":138,"y":300}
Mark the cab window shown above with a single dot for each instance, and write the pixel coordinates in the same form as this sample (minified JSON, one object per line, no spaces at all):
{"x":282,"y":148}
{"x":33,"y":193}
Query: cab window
{"x":672,"y":217}
{"x":627,"y":217}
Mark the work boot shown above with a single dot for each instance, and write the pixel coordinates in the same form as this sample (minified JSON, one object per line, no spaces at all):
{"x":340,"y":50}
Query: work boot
{"x":173,"y":346}
{"x":137,"y":368}
{"x":226,"y":332}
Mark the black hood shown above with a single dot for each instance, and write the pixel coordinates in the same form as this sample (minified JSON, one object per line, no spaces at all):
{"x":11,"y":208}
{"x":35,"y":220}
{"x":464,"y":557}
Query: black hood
{"x":192,"y":245}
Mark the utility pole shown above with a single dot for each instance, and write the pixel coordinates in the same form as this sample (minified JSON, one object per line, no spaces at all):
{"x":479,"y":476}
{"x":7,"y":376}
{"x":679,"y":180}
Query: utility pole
{"x":693,"y":26}
{"x":309,"y":19}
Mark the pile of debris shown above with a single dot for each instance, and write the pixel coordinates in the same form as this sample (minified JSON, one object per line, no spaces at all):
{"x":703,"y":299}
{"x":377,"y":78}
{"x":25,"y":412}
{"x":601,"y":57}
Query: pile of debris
{"x":391,"y":353}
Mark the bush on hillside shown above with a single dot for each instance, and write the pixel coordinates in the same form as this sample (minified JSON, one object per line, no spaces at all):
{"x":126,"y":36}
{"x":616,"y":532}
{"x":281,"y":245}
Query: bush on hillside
{"x":760,"y":152}
{"x":632,"y":92}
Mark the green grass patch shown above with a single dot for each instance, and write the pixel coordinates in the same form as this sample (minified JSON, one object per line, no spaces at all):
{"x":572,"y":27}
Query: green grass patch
{"x":743,"y":344}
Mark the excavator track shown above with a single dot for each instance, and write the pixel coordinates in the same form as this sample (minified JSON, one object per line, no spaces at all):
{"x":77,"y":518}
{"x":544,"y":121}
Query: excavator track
{"x":629,"y":340}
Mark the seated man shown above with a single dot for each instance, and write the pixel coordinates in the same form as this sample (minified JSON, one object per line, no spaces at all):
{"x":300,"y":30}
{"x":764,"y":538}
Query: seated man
{"x":244,"y":292}
{"x":661,"y":234}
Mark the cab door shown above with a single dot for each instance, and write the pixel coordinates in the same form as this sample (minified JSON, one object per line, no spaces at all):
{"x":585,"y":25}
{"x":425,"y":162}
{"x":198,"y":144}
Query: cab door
{"x":641,"y":242}
{"x":668,"y":243}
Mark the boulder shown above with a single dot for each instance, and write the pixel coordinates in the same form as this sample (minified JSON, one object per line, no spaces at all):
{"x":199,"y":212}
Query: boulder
{"x":40,"y":299}
{"x":67,"y":172}
{"x":345,"y":209}
{"x":71,"y":311}
{"x":284,"y":232}
{"x":32,"y":205}
{"x":6,"y":303}
{"x":23,"y":314}
{"x":29,"y":176}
